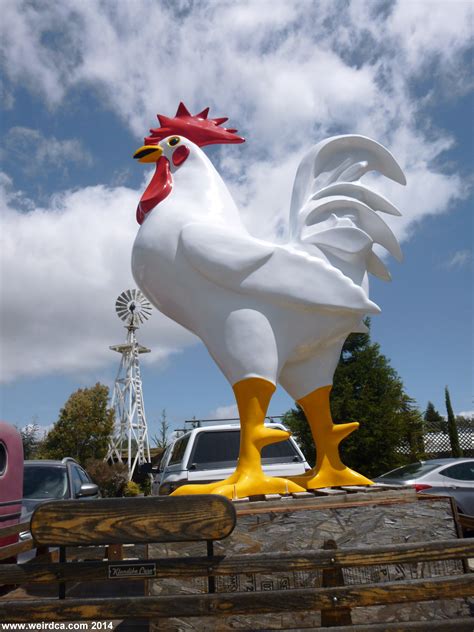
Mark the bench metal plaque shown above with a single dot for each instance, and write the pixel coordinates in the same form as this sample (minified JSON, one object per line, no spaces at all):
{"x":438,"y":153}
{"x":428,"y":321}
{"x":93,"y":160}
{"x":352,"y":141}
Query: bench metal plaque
{"x":124,"y":570}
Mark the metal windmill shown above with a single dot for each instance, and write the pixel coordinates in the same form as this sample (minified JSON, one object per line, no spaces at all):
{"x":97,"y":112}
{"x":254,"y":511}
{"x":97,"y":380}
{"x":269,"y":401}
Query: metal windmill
{"x":129,"y":442}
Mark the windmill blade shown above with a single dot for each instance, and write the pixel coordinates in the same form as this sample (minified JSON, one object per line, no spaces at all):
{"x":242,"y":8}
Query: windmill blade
{"x":132,"y":306}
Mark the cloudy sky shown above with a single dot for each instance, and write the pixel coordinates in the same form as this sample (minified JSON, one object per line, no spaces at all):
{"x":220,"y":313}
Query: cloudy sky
{"x":81,"y":85}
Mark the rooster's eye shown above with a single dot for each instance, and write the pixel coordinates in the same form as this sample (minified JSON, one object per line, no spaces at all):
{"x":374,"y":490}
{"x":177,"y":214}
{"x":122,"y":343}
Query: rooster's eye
{"x":173,"y":141}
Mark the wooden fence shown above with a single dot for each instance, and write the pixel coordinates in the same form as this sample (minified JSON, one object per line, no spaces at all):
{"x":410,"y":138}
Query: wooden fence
{"x":206,"y":519}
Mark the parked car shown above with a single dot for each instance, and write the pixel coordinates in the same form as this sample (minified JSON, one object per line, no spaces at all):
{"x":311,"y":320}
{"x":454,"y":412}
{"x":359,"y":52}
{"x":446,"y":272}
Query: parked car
{"x":452,"y":477}
{"x":209,"y":453}
{"x":45,"y":480}
{"x":11,"y":481}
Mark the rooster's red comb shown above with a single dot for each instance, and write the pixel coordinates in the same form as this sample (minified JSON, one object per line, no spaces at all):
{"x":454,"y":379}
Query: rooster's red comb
{"x":198,"y":128}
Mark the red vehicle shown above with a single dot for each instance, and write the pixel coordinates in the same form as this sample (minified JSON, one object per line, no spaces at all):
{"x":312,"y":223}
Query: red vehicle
{"x":11,"y":479}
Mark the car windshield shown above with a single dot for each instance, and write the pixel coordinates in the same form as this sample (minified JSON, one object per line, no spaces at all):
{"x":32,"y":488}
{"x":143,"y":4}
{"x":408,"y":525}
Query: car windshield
{"x":407,"y":472}
{"x":221,"y":449}
{"x":41,"y":481}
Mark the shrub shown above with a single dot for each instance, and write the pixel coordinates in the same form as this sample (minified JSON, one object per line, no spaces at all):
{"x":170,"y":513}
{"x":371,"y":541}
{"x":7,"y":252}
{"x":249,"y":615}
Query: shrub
{"x":111,"y":479}
{"x":132,"y":489}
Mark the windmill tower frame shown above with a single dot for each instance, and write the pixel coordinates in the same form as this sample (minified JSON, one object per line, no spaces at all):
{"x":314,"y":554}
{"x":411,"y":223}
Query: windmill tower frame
{"x":129,"y":441}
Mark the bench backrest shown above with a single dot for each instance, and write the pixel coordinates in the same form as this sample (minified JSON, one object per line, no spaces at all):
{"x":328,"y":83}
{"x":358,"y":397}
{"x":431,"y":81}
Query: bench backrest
{"x":133,"y":520}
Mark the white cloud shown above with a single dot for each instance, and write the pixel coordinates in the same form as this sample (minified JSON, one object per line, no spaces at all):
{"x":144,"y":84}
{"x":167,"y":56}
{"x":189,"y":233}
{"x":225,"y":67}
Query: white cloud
{"x":459,"y":259}
{"x":7,"y":100}
{"x":225,"y":412}
{"x":62,"y":268}
{"x":427,"y":193}
{"x":426,"y":30}
{"x":279,"y":67}
{"x":27,"y":58}
{"x":34,"y":152}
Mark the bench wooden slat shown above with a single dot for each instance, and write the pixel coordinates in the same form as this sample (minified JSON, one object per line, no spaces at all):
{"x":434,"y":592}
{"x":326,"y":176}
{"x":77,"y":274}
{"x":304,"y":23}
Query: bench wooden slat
{"x":248,"y":563}
{"x":459,"y":624}
{"x":14,"y":549}
{"x":467,"y":522}
{"x":225,"y":604}
{"x":137,"y":520}
{"x":14,"y":529}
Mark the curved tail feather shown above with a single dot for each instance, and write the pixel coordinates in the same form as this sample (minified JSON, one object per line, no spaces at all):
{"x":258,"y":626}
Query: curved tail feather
{"x":327,"y":201}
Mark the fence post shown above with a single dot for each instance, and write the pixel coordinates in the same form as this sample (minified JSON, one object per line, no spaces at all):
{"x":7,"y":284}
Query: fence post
{"x":62,"y":584}
{"x":211,"y":580}
{"x":115,"y":552}
{"x":333,"y":577}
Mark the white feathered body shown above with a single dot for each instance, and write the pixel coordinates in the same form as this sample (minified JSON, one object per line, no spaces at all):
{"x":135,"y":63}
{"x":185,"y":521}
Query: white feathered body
{"x":280,"y":312}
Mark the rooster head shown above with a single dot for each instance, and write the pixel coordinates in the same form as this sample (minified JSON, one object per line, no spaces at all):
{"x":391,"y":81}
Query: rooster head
{"x":166,"y":147}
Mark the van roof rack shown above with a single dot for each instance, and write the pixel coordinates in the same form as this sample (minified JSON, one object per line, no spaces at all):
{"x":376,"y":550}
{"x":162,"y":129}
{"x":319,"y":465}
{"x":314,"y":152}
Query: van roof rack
{"x":198,"y":423}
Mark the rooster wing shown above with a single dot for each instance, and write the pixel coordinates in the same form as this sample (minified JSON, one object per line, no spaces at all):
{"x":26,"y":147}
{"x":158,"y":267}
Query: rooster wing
{"x":279,"y":273}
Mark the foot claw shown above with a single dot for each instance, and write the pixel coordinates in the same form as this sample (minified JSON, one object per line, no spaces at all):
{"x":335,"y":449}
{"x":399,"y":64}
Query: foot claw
{"x":267,"y":435}
{"x":329,"y":477}
{"x":242,"y":486}
{"x":341,"y":431}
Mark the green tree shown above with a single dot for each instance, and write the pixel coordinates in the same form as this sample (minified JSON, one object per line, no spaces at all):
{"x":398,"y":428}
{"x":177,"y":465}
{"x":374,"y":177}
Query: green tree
{"x":467,"y":422}
{"x":434,"y":422}
{"x":413,"y":429}
{"x":295,"y":420}
{"x":368,"y":390}
{"x":452,"y":427}
{"x":161,"y":439}
{"x":84,"y":426}
{"x":31,"y":440}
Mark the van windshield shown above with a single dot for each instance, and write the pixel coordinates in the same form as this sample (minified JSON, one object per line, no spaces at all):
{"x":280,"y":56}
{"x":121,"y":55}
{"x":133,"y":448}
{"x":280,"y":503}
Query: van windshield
{"x":178,"y":450}
{"x":221,"y":449}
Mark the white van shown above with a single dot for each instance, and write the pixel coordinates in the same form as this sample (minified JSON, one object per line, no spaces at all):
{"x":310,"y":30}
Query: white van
{"x":209,"y":453}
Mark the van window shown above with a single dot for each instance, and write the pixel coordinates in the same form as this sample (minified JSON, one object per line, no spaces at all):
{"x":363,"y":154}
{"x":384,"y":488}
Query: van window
{"x":178,"y":450}
{"x":221,"y":449}
{"x":164,"y":459}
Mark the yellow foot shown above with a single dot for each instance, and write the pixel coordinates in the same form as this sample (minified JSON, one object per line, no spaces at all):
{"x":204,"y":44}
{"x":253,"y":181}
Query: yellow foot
{"x":203,"y":488}
{"x":241,"y":485}
{"x":328,"y":476}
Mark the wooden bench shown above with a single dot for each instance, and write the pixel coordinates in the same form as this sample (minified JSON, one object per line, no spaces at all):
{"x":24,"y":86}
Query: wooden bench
{"x":116,"y":522}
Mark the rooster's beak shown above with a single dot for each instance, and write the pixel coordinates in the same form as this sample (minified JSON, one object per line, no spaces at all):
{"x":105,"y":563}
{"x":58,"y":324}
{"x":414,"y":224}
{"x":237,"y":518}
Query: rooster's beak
{"x":148,"y":153}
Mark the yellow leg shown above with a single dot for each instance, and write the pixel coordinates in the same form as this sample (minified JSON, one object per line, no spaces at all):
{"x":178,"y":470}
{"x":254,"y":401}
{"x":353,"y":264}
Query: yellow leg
{"x":253,"y":396}
{"x":329,"y":470}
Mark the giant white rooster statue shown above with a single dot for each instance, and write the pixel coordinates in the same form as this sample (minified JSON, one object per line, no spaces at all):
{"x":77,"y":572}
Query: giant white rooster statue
{"x":268,"y":313}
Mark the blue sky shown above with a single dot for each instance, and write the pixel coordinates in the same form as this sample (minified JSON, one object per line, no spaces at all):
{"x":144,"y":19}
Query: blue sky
{"x":81,"y":85}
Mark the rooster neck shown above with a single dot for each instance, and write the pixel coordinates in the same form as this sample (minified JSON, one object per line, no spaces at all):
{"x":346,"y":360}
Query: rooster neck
{"x":200,"y":194}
